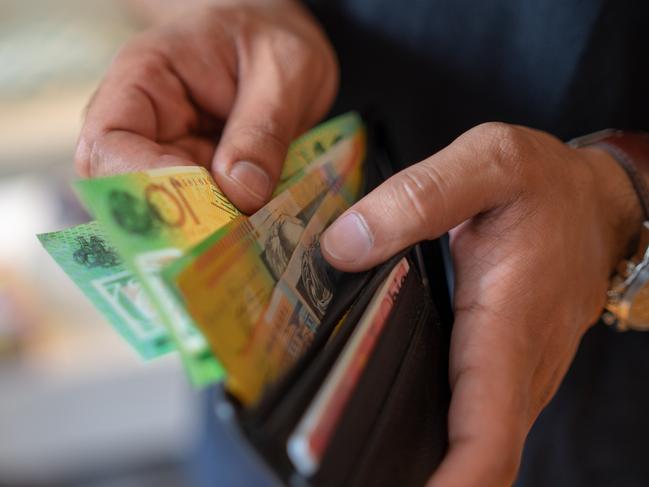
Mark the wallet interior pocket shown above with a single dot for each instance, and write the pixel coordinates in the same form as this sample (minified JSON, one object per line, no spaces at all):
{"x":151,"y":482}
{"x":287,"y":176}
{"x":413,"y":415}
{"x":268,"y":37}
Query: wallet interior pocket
{"x":398,"y":406}
{"x":270,"y":422}
{"x":398,"y":409}
{"x":412,"y":422}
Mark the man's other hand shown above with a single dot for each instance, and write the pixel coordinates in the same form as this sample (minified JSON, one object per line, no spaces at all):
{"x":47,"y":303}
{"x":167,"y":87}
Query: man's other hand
{"x":536,"y":229}
{"x":226,"y":85}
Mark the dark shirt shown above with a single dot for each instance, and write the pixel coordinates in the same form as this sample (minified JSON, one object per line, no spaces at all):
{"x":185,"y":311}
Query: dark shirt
{"x":431,"y":69}
{"x":434,"y":68}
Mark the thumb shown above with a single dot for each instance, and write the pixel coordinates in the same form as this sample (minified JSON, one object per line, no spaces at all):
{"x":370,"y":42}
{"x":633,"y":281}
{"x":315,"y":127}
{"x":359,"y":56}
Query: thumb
{"x":422,"y":202}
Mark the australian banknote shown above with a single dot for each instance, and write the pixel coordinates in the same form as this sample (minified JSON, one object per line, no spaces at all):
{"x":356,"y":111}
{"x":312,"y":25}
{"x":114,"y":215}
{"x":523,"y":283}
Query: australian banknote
{"x":227,"y":281}
{"x":152,"y":219}
{"x":85,"y":254}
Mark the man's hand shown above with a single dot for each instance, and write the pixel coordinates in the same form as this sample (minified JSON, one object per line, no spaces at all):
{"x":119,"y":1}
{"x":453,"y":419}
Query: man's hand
{"x":226,"y":86}
{"x":536,"y":229}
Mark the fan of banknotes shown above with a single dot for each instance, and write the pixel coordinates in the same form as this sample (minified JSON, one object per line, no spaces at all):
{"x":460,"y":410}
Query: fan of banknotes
{"x":174,"y":266}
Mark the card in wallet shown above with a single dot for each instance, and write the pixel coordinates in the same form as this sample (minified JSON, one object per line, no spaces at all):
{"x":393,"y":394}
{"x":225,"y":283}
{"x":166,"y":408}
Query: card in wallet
{"x":367,"y":403}
{"x":312,"y":436}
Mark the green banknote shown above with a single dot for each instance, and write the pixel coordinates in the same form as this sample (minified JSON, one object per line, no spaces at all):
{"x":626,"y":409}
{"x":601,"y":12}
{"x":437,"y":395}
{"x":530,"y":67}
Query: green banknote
{"x":151,"y":218}
{"x":311,"y":145}
{"x":94,"y":265}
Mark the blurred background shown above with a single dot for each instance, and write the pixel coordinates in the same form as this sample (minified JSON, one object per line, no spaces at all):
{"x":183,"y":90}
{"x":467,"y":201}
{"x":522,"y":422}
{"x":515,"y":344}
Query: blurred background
{"x":77,"y":406}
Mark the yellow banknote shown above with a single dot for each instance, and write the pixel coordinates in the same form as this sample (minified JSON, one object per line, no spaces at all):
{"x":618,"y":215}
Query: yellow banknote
{"x":228,"y":280}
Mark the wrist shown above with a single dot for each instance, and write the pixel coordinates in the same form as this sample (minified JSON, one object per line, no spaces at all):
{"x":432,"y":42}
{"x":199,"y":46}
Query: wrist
{"x":620,"y":208}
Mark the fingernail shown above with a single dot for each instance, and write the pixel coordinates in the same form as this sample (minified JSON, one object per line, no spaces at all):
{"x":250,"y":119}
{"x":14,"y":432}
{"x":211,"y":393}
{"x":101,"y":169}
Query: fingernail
{"x":252,"y":178}
{"x":348,"y":239}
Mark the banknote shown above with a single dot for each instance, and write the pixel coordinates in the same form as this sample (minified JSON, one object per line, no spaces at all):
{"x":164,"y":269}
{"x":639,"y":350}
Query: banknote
{"x":301,"y":296}
{"x":296,"y":306}
{"x":308,"y":442}
{"x":84,"y":253}
{"x":151,"y":218}
{"x":314,"y":143}
{"x":227,"y":281}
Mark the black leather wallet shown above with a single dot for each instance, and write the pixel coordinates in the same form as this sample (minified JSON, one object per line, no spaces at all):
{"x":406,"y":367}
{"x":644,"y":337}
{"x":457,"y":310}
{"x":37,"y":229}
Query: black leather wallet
{"x":392,"y":429}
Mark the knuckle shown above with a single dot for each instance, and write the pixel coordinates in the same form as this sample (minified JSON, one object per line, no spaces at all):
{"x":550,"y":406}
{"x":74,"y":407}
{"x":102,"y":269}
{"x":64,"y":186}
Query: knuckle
{"x":93,"y":159}
{"x":306,"y":70}
{"x":150,"y":66}
{"x":509,"y":149}
{"x":240,"y":19}
{"x":92,"y":156}
{"x":297,"y":59}
{"x":264,"y":139}
{"x":139,"y":61}
{"x":123,"y":53}
{"x":416,"y":190}
{"x":506,"y":143}
{"x":243,"y":24}
{"x":267,"y":131}
{"x":82,"y":156}
{"x":132,"y":48}
{"x":292,"y":43}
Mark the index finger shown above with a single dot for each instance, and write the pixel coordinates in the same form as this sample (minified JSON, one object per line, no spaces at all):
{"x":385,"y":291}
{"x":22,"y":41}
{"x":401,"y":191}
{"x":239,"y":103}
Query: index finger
{"x":144,"y":113}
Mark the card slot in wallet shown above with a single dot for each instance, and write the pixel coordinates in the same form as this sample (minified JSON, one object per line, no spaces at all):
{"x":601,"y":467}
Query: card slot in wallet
{"x":412,"y":422}
{"x":365,"y":413}
{"x":348,"y":290}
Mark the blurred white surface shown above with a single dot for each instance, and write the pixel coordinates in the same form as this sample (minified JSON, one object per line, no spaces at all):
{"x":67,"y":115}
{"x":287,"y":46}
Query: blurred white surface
{"x":52,"y":54}
{"x":75,"y":400}
{"x":57,"y":426}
